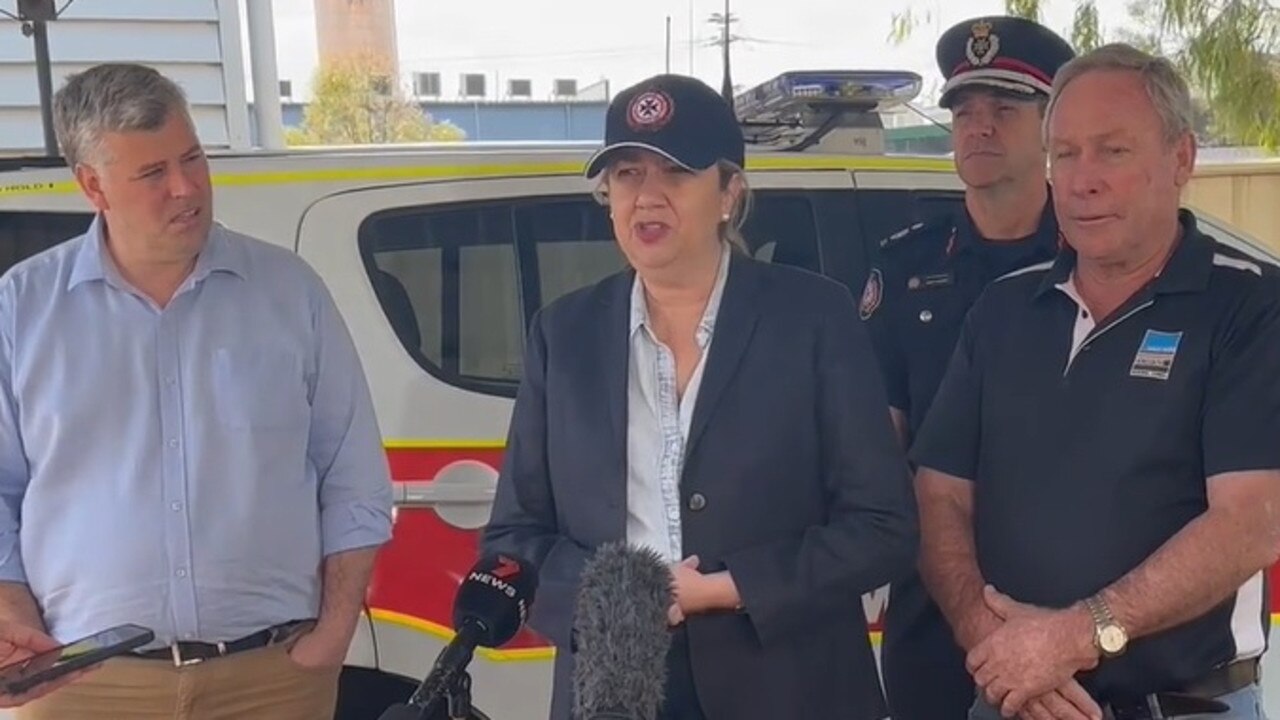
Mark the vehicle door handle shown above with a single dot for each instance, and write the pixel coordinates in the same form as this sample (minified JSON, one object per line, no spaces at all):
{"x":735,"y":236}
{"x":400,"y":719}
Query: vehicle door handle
{"x":432,"y":494}
{"x":461,"y":494}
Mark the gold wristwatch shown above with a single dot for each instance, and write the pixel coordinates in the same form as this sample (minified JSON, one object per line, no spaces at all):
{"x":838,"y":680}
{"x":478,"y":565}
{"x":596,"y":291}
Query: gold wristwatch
{"x":1108,"y":635}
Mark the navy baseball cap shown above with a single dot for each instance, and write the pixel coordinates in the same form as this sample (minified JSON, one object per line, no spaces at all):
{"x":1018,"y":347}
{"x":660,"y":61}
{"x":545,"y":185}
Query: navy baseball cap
{"x":678,"y":117}
{"x":1008,"y":54}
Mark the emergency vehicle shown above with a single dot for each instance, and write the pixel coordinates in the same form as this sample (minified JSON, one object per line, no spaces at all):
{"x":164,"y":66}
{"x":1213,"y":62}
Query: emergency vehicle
{"x":437,"y":257}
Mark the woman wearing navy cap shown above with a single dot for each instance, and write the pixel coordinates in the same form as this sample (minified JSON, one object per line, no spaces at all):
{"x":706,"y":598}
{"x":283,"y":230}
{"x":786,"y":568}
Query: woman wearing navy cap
{"x":724,"y":412}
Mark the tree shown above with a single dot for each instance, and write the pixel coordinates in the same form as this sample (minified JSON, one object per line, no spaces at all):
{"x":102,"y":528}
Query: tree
{"x":1229,"y":51}
{"x":353,"y":102}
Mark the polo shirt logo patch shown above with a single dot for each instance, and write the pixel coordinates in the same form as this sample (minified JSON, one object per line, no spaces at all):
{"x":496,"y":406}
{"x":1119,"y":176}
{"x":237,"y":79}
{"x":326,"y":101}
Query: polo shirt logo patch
{"x":1155,"y":355}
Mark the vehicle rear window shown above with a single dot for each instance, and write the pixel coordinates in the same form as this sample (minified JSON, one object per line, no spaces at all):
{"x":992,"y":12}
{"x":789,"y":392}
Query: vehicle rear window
{"x":459,"y":282}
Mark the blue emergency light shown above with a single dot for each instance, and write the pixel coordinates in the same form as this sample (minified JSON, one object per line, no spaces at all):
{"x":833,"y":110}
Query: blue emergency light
{"x":797,"y":97}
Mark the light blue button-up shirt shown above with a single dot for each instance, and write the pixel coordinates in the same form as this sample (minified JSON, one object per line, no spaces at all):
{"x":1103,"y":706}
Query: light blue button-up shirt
{"x":658,"y":420}
{"x":184,"y":468}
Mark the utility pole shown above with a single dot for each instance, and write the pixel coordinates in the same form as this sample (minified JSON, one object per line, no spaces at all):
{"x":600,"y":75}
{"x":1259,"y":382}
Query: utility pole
{"x":668,"y":45}
{"x":724,"y":20}
{"x":35,"y":16}
{"x":726,"y":88}
{"x":691,"y":40}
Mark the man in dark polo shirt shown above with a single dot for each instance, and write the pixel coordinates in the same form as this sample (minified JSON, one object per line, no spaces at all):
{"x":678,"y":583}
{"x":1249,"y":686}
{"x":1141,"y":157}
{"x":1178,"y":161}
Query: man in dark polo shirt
{"x":998,"y":72}
{"x":1100,"y":471}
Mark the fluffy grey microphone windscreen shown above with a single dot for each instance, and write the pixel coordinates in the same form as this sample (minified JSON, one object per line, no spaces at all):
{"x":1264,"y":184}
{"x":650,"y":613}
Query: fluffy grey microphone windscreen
{"x":620,"y":634}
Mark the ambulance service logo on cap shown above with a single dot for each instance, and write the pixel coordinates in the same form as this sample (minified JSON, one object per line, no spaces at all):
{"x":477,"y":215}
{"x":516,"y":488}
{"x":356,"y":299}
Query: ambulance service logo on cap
{"x":678,"y":117}
{"x":650,"y":111}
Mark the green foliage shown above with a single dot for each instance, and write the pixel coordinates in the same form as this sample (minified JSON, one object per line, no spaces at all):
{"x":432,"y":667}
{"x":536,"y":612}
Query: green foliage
{"x":354,"y":103}
{"x":1229,"y":51}
{"x":1231,"y":58}
{"x":1029,"y":9}
{"x":1086,"y":32}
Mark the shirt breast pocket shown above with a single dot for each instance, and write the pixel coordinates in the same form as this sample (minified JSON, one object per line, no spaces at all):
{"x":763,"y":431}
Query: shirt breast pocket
{"x":260,"y":389}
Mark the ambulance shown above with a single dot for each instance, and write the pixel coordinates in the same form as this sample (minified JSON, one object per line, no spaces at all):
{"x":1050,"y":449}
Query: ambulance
{"x":438,"y":256}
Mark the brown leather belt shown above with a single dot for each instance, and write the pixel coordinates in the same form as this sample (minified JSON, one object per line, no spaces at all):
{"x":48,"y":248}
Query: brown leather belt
{"x":1195,"y":698}
{"x":188,"y":652}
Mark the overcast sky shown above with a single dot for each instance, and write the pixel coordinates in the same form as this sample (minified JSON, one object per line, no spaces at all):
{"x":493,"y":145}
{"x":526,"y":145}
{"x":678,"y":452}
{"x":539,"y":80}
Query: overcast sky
{"x":625,"y":41}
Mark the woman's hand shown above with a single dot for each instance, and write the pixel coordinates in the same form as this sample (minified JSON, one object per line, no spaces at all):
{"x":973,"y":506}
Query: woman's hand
{"x":697,"y":593}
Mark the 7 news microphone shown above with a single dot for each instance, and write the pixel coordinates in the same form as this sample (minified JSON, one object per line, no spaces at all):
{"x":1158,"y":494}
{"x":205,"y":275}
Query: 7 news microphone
{"x":621,"y":635}
{"x":489,"y":609}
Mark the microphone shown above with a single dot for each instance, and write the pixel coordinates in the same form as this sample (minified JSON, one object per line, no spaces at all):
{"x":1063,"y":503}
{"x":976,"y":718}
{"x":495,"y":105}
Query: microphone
{"x":489,"y":609}
{"x":620,"y":634}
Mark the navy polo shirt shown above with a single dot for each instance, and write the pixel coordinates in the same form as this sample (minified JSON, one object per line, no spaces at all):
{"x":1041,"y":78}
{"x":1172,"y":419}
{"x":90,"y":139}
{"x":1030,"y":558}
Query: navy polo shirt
{"x":1090,"y":442}
{"x":917,"y":297}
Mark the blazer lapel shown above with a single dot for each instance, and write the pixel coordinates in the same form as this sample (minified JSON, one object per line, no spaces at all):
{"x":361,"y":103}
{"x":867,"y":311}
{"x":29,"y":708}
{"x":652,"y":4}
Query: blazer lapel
{"x":613,"y":354}
{"x":735,"y":323}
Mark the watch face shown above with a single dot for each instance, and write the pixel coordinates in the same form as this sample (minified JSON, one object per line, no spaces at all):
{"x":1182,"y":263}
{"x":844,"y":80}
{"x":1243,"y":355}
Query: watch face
{"x":1111,"y":638}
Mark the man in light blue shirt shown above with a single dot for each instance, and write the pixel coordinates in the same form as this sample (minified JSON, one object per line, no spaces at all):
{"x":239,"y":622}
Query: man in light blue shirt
{"x":187,"y":440}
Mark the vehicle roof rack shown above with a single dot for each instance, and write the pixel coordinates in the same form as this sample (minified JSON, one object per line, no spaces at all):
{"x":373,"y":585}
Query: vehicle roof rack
{"x":796,"y":110}
{"x":21,"y":162}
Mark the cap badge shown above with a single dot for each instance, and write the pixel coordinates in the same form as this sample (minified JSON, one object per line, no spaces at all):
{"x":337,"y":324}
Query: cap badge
{"x":983,"y":44}
{"x":650,"y":111}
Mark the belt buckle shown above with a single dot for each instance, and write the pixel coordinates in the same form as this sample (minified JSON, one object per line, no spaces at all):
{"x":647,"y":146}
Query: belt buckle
{"x":281,"y":632}
{"x":290,"y":630}
{"x":181,"y":662}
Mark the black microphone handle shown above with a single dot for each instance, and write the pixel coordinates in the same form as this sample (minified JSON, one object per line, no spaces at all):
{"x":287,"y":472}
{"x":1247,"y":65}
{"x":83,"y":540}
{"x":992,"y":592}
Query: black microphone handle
{"x":401,"y":711}
{"x":451,"y":661}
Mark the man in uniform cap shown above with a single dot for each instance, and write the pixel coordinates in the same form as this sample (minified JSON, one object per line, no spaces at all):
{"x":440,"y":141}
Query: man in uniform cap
{"x":999,"y":71}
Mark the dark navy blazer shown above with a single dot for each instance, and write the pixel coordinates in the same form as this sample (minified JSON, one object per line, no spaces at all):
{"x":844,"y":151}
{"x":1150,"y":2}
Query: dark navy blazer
{"x":803,"y":492}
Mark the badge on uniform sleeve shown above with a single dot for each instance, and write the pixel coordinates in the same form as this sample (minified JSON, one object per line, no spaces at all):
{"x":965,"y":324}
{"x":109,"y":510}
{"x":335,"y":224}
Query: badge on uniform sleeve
{"x":872,"y":294}
{"x":1155,"y":355}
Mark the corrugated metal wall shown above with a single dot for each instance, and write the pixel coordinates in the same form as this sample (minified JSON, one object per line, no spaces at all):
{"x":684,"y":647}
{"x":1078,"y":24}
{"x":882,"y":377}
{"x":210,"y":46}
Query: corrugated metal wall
{"x":195,"y":42}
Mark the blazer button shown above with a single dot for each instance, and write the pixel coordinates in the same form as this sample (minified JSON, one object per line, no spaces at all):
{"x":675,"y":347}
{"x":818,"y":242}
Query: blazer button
{"x":697,"y":501}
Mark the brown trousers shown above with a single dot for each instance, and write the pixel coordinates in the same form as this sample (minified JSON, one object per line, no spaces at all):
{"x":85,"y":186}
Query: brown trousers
{"x":263,"y":683}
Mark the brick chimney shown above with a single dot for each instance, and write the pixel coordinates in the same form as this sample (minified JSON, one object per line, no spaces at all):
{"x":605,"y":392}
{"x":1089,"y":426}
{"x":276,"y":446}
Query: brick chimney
{"x":351,"y":28}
